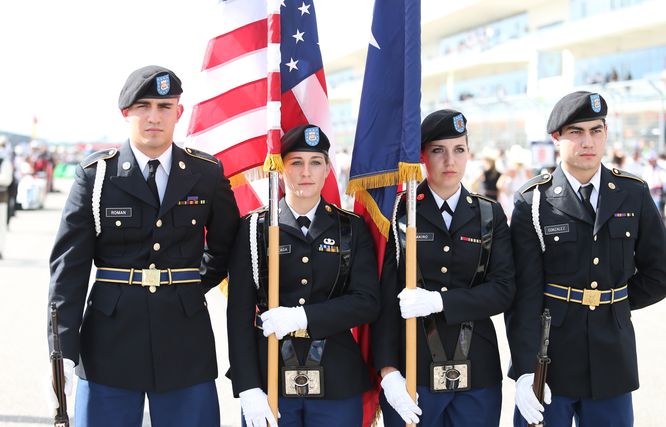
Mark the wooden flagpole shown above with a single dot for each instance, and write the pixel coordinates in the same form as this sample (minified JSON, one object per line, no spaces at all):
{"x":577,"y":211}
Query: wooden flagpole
{"x":273,"y":165}
{"x":410,"y":283}
{"x":273,"y":288}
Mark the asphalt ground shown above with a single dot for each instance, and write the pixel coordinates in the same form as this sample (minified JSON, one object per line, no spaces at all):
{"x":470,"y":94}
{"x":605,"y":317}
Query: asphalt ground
{"x":24,"y":358}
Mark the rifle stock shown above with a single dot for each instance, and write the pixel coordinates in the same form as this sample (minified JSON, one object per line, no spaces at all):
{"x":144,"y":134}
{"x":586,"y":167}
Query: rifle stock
{"x":61,"y":418}
{"x":541,"y":370}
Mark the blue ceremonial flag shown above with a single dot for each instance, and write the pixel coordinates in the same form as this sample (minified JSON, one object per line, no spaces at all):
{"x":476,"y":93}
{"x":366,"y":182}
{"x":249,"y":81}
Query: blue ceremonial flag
{"x":388,"y":133}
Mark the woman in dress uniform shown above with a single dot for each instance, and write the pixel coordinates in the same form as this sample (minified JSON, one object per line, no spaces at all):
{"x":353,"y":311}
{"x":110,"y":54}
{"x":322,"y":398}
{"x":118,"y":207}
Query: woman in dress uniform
{"x":328,"y":284}
{"x":464,"y":275}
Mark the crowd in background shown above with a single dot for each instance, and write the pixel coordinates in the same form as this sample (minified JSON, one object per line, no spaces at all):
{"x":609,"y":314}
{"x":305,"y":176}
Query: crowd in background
{"x":495,"y":173}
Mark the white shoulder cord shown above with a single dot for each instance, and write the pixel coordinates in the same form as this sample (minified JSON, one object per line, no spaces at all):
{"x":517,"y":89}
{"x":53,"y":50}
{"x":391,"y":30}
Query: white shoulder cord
{"x":394,"y":225}
{"x":97,"y":195}
{"x":254,"y":251}
{"x":536,"y":201}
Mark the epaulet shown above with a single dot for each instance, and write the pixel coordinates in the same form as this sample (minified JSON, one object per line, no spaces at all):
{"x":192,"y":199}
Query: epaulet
{"x":480,"y":196}
{"x":537,"y":180}
{"x":328,"y":206}
{"x":98,"y":155}
{"x":258,"y":210}
{"x":201,"y":155}
{"x":624,"y":174}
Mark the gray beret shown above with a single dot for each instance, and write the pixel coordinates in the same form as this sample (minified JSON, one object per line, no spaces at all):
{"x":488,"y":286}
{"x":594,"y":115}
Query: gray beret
{"x":443,"y":124}
{"x":152,"y":81}
{"x":576,"y":107}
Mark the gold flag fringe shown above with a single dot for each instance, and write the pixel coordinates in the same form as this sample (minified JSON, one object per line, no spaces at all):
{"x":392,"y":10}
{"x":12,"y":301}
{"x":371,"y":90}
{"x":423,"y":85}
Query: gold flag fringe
{"x":238,"y":180}
{"x":273,"y":163}
{"x":247,"y":176}
{"x":405,"y":172}
{"x":382,"y":223}
{"x":224,"y":287}
{"x":410,"y":171}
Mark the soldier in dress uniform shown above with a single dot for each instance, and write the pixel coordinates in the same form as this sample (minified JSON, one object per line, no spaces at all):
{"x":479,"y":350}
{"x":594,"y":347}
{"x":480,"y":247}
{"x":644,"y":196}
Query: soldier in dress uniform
{"x":139,"y":213}
{"x":464,"y":276}
{"x":589,"y":245}
{"x":328,"y":284}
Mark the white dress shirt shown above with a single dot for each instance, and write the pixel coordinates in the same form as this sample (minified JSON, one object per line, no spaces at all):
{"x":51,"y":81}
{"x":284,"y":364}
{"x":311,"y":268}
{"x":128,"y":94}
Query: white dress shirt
{"x":162,"y":173}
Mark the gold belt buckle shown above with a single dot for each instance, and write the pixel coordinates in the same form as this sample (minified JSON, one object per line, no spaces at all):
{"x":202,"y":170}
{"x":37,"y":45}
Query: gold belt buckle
{"x":591,"y":297}
{"x":150,"y":277}
{"x":301,"y":333}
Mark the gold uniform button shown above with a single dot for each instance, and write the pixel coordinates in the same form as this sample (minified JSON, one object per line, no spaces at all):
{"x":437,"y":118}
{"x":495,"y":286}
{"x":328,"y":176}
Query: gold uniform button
{"x":594,"y":284}
{"x":305,"y":260}
{"x":152,"y":266}
{"x":595,"y":237}
{"x":152,"y":289}
{"x":447,"y":248}
{"x":194,"y":222}
{"x":595,"y":261}
{"x":444,"y":269}
{"x":304,"y":282}
{"x":556,"y":238}
{"x":592,"y":308}
{"x":119,"y":223}
{"x":158,"y":224}
{"x":301,"y":301}
{"x":156,"y":247}
{"x":444,"y":289}
{"x":628,"y":234}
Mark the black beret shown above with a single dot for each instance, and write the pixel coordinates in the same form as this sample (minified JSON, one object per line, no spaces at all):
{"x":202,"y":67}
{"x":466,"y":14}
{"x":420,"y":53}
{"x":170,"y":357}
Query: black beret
{"x":304,"y":138}
{"x":443,"y":124}
{"x":152,"y":81}
{"x":576,"y":107}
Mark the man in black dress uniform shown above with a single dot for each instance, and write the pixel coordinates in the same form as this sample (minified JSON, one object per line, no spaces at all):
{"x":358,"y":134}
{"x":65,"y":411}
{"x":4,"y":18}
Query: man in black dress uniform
{"x":140,"y":212}
{"x":589,"y":245}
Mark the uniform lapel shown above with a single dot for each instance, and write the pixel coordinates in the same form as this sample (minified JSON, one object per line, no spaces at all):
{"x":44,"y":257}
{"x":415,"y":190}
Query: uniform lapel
{"x":130,"y":179}
{"x":465,"y":211}
{"x":181,"y":179}
{"x":323,"y":220}
{"x":560,"y":195}
{"x":288,"y":222}
{"x":611,"y":196}
{"x":427,"y":208}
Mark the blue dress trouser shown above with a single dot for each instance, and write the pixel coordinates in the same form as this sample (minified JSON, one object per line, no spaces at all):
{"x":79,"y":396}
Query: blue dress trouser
{"x":302,"y":412}
{"x":612,"y":412}
{"x":478,"y":407}
{"x":99,"y":405}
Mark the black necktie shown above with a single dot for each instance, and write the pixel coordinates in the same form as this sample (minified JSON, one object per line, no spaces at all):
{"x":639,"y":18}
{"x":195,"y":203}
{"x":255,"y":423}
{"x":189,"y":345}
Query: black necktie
{"x":303,"y":221}
{"x":152,"y":169}
{"x":445,"y":207}
{"x":585,"y":193}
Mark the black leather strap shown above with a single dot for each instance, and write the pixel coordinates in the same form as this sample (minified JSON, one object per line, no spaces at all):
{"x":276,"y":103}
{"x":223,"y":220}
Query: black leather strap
{"x":433,"y":337}
{"x":290,"y":358}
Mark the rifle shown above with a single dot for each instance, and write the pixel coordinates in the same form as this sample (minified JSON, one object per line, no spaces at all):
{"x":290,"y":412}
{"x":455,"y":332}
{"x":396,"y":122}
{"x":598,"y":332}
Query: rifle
{"x":543,"y":360}
{"x":58,"y":374}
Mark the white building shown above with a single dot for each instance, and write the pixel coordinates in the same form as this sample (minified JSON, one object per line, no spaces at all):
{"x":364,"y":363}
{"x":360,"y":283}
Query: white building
{"x":505,"y":64}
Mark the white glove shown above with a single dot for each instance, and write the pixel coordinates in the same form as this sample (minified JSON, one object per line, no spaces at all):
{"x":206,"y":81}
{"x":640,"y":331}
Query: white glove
{"x":396,"y":394}
{"x":419,"y":302}
{"x":51,"y":398}
{"x":527,"y":402}
{"x":256,"y":410}
{"x":282,"y":320}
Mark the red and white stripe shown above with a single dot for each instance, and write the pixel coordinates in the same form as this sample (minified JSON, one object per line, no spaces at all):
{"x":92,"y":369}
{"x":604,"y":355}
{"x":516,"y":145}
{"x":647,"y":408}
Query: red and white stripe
{"x":232,"y":115}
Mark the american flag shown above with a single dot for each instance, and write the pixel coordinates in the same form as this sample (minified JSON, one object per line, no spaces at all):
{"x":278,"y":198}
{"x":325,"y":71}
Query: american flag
{"x":230,"y":121}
